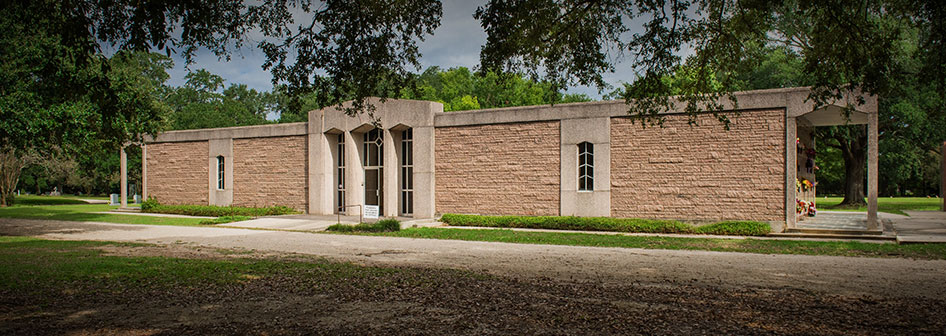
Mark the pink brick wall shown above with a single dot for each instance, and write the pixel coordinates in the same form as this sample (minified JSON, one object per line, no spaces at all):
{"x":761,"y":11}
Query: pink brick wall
{"x":270,"y":171}
{"x":177,"y":172}
{"x":498,"y":169}
{"x":702,"y":172}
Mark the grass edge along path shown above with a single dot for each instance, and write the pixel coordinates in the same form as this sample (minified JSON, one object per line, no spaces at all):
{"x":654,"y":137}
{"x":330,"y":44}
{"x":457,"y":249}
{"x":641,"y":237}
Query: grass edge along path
{"x":747,"y":245}
{"x":90,"y":213}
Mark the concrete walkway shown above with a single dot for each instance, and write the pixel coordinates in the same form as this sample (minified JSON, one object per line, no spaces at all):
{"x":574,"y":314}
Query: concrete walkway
{"x":921,"y":227}
{"x":315,"y":222}
{"x":889,"y":277}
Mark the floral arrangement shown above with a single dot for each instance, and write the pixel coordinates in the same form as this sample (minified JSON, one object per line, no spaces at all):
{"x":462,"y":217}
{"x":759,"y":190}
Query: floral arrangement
{"x":803,"y":184}
{"x":803,"y":207}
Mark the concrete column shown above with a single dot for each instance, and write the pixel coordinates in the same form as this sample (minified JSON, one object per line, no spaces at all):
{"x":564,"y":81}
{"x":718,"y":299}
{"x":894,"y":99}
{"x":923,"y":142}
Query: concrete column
{"x":391,"y":170}
{"x":354,"y":172}
{"x":424,"y":172}
{"x":144,"y":173}
{"x":791,"y":133}
{"x":872,"y":153}
{"x":321,"y":177}
{"x":124,"y":172}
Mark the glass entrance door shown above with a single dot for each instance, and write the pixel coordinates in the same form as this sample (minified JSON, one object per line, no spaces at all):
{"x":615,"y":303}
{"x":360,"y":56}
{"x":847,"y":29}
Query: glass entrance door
{"x":373,"y":187}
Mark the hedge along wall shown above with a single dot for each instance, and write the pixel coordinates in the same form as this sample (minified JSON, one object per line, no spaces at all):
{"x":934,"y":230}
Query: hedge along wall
{"x":501,"y":169}
{"x":701,"y":172}
{"x":271,"y":171}
{"x":177,"y":172}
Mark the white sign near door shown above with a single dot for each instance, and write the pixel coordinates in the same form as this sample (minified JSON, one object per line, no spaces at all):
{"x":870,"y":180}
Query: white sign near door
{"x":372,"y":211}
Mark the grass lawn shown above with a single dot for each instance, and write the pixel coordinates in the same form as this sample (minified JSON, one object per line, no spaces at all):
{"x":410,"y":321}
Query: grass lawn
{"x":894,"y":205}
{"x":30,"y":264}
{"x":53,"y":200}
{"x":764,"y":246}
{"x":86,"y":213}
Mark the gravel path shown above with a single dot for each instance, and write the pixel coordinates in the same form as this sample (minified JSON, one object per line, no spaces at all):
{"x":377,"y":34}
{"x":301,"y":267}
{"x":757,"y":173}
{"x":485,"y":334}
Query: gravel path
{"x":877,"y":277}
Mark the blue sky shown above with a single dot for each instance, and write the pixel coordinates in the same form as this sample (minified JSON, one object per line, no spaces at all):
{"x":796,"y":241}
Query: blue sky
{"x":455,"y":43}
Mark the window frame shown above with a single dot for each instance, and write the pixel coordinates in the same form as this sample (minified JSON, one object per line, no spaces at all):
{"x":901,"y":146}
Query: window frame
{"x":407,"y":173}
{"x":221,"y":172}
{"x":340,"y":169}
{"x":586,"y":166}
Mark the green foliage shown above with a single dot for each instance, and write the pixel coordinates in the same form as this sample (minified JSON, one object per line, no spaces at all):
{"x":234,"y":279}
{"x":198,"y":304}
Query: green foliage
{"x":606,"y":224}
{"x":736,"y":228}
{"x":384,"y":225}
{"x":204,"y":103}
{"x":149,"y":204}
{"x":225,"y":219}
{"x":842,"y":47}
{"x":46,"y":200}
{"x":216,"y":211}
{"x":459,"y":89}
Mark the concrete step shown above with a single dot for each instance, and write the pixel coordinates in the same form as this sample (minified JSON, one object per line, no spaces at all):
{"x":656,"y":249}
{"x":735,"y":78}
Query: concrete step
{"x":857,"y":235}
{"x":835,"y":231}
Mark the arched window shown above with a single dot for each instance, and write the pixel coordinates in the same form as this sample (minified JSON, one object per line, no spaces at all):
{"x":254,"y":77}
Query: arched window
{"x":221,"y":172}
{"x":586,"y":166}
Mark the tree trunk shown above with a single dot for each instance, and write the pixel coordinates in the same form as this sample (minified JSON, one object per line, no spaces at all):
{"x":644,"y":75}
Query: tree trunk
{"x":854,"y":153}
{"x":10,"y":167}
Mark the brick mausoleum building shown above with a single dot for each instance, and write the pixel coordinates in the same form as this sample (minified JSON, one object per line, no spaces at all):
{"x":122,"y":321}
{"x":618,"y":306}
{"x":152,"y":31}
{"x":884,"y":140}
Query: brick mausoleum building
{"x":582,"y":159}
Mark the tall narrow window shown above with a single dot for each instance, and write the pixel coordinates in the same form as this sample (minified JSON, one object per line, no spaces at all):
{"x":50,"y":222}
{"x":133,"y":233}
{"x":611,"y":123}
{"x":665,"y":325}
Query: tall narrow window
{"x":340,"y":174}
{"x":586,"y":166}
{"x":374,"y":148}
{"x":407,"y":172}
{"x":221,"y":172}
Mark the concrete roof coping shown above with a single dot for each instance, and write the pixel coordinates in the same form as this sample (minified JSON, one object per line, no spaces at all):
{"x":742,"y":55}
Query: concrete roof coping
{"x":256,"y":131}
{"x":794,"y":100}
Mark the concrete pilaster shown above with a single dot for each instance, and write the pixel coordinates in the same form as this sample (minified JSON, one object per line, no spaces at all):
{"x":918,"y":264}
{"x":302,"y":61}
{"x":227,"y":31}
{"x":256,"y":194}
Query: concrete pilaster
{"x":872,"y":161}
{"x":220,"y":147}
{"x":424,"y":172}
{"x":354,"y":171}
{"x":596,"y":202}
{"x":144,"y":173}
{"x":391,"y":188}
{"x":124,"y":183}
{"x":791,"y":131}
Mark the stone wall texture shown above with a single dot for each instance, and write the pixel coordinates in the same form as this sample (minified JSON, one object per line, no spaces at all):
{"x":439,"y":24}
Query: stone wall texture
{"x":701,"y":172}
{"x":503,"y":169}
{"x":177,"y":172}
{"x":270,"y":171}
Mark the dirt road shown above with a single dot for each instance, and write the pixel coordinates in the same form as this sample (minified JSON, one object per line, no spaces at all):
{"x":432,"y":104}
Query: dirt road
{"x":850,"y":277}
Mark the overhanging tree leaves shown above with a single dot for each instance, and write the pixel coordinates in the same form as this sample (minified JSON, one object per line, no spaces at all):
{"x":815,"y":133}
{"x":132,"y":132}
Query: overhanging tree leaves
{"x":843,"y":47}
{"x":56,"y":86}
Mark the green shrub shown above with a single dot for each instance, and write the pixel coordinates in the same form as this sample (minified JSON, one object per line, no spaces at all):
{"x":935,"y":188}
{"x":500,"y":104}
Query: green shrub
{"x":736,"y":228}
{"x":569,"y":223}
{"x":635,"y":225}
{"x":149,"y":204}
{"x":225,"y":219}
{"x":384,"y":225}
{"x":152,"y":206}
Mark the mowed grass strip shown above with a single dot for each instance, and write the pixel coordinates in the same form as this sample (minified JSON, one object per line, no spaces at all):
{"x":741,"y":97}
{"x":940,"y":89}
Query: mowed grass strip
{"x":31,"y":265}
{"x":895,"y":205}
{"x":748,"y":245}
{"x":88,"y":213}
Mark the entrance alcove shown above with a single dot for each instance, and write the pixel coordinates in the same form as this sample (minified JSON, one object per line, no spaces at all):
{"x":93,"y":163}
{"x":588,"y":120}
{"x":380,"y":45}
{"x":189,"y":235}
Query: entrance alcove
{"x":801,"y":174}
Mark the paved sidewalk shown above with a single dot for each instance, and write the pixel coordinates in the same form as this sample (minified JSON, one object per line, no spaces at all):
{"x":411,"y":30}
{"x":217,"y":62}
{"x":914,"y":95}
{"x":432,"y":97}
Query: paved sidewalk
{"x":921,"y":227}
{"x":315,"y":222}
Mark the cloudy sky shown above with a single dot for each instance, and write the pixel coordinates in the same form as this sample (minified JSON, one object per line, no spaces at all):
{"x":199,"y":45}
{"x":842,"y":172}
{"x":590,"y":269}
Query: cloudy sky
{"x":455,"y":43}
